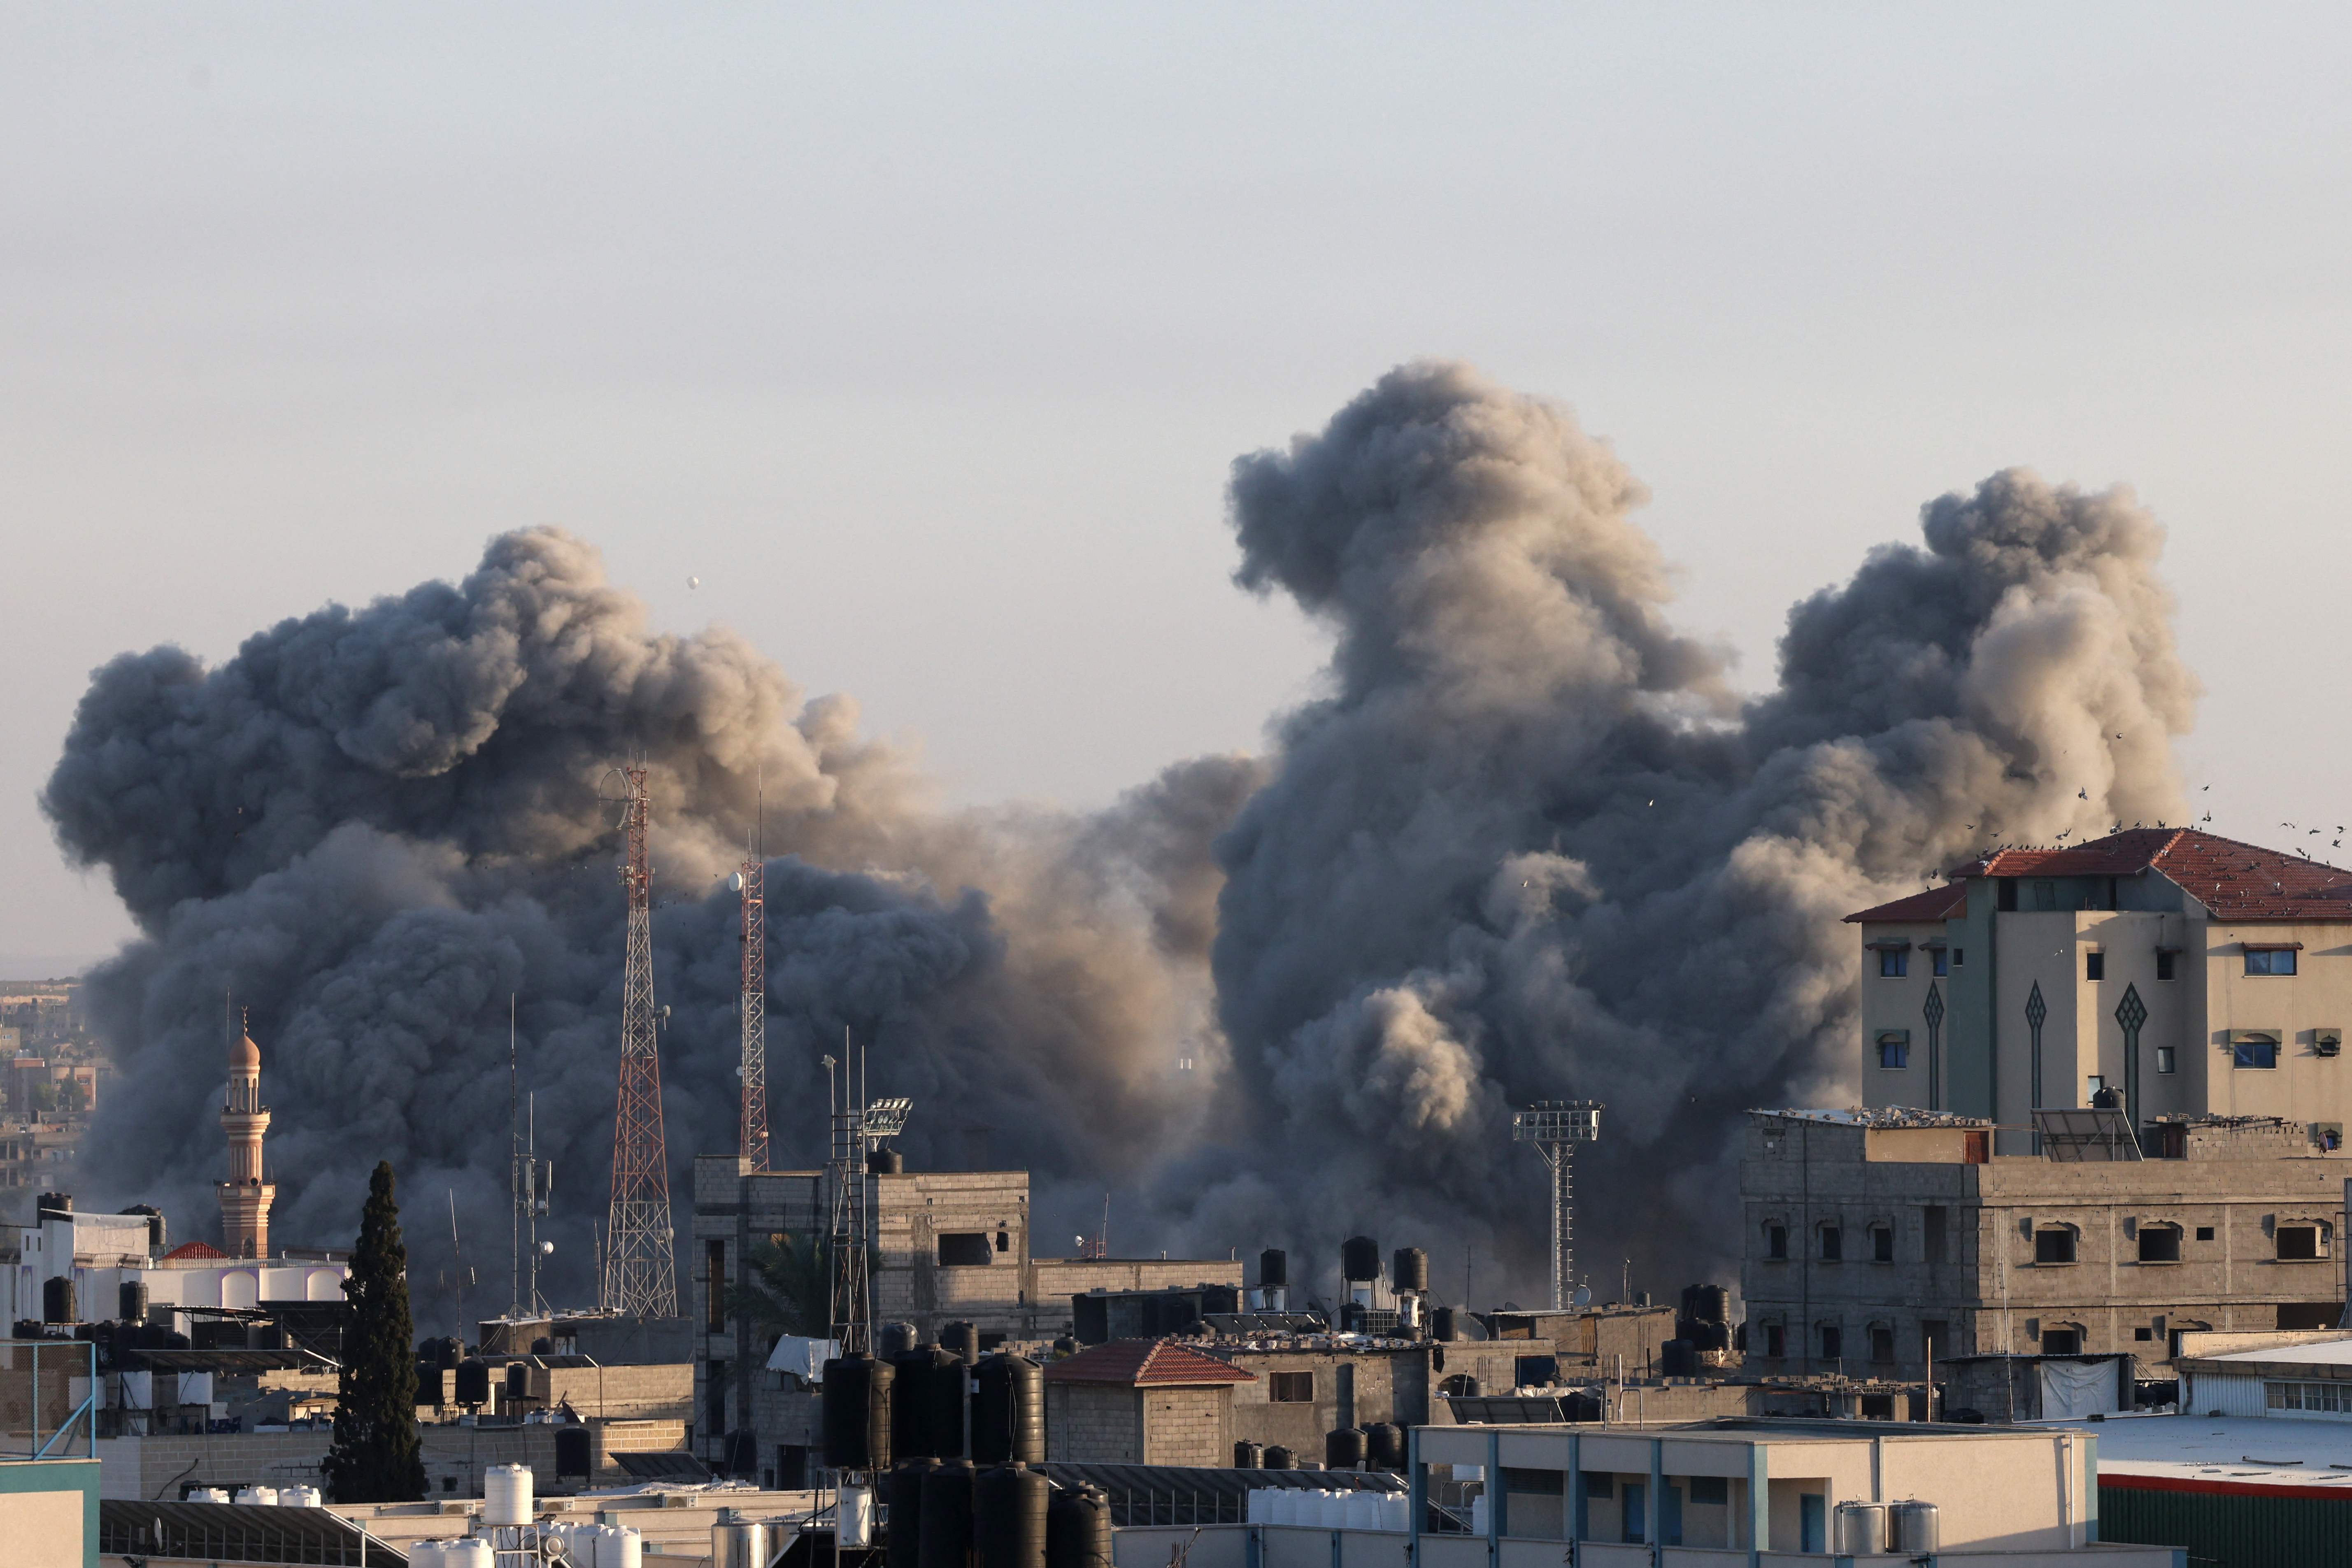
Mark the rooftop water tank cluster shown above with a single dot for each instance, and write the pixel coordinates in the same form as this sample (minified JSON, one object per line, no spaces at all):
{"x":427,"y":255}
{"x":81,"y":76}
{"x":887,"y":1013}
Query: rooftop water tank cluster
{"x":264,"y":1497}
{"x":585,"y":1546}
{"x":1329,"y":1509}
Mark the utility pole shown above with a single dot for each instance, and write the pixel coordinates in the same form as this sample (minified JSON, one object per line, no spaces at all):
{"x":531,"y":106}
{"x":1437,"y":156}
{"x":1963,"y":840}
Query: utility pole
{"x":640,"y":1274}
{"x":750,"y":881}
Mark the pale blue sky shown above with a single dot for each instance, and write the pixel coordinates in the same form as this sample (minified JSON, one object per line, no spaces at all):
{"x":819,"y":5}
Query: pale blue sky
{"x":924,"y":336}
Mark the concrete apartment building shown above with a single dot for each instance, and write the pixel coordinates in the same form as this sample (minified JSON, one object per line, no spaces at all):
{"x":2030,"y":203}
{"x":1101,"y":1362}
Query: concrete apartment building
{"x":1871,"y":1233}
{"x":2195,"y":976}
{"x":949,"y":1246}
{"x":2202,"y":983}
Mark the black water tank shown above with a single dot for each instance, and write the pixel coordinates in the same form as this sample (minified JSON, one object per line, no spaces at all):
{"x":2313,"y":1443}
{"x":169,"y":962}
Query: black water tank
{"x":1677,"y":1358}
{"x":1272,"y":1268}
{"x":542,"y":1346}
{"x":1442,"y":1327}
{"x":1707,"y":1303}
{"x":1008,"y":1411}
{"x":1359,"y":1258}
{"x":910,"y":1408}
{"x":53,"y":1202}
{"x":1384,"y":1446}
{"x":1409,"y":1270}
{"x":1280,"y":1459}
{"x":1345,"y":1449}
{"x":856,"y":1412}
{"x":473,"y":1381}
{"x":130,"y":1302}
{"x":964,"y":1339}
{"x":517,"y":1379}
{"x":1008,"y":1516}
{"x":903,"y":1492}
{"x":897,"y":1339}
{"x":431,"y":1383}
{"x":886,"y":1162}
{"x":945,"y":1541}
{"x":942,"y":1398}
{"x":1705,"y":1336}
{"x":1249,"y":1456}
{"x":1077,"y":1529}
{"x":58,"y":1305}
{"x":574,"y":1456}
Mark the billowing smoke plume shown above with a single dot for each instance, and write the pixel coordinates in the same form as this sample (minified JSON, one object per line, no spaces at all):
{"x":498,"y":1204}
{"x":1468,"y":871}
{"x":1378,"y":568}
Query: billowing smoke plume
{"x":1527,"y":844}
{"x":370,"y":828}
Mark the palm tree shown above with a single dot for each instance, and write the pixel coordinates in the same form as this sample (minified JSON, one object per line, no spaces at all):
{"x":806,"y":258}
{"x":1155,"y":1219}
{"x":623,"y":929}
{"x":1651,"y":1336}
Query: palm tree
{"x":790,"y":1290}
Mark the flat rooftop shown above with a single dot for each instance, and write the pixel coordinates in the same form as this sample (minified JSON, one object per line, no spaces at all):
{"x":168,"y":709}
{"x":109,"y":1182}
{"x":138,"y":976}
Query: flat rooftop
{"x":2239,"y":1451}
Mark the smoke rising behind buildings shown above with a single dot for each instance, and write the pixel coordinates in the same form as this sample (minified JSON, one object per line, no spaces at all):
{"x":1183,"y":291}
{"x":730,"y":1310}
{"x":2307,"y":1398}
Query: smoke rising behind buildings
{"x":1527,"y":843}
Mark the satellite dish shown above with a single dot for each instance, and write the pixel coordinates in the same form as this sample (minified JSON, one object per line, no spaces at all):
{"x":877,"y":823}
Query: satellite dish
{"x":735,"y":883}
{"x":1580,"y":1297}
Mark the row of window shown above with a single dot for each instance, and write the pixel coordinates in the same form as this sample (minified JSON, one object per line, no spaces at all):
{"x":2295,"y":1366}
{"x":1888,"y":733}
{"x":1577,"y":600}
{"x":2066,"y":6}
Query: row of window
{"x":1895,"y":963}
{"x":2158,"y":1242}
{"x":2334,"y":1398}
{"x":2256,"y":1052}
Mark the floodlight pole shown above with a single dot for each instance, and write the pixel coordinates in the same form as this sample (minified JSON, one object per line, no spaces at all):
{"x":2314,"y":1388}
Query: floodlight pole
{"x":1556,"y":1127}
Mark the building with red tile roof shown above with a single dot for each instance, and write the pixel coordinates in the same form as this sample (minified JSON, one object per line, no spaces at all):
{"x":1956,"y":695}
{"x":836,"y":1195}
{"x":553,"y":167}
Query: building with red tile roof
{"x":1141,"y":1402}
{"x":2190,"y":974}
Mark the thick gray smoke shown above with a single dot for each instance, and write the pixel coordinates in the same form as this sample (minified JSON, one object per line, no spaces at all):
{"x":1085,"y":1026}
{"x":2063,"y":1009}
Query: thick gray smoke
{"x":371,"y":827}
{"x":1527,"y":844}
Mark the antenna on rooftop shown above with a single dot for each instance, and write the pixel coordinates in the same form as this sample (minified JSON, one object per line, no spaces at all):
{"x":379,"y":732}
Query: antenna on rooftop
{"x":1556,"y":1127}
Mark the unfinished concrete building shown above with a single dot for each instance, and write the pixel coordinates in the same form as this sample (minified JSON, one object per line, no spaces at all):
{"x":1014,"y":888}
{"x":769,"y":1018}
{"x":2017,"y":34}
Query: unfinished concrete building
{"x":949,"y":1247}
{"x":1871,"y":1235}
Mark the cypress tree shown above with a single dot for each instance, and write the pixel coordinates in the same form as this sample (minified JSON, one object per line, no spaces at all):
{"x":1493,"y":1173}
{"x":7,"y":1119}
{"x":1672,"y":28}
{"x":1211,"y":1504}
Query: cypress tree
{"x":377,"y":1456}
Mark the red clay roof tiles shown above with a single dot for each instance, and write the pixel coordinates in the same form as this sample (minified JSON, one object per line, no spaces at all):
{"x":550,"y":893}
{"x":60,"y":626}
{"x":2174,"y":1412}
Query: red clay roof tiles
{"x":2234,"y":881}
{"x":1138,"y":1363}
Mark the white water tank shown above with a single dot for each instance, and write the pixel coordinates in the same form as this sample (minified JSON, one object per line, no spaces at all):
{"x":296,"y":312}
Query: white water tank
{"x":1361,"y":1510}
{"x":618,"y":1546}
{"x":1396,"y":1511}
{"x":1256,"y":1506}
{"x":1914,"y":1527}
{"x":471,"y":1553}
{"x":1860,"y":1529}
{"x":208,"y":1494}
{"x":424,"y":1554}
{"x":854,"y":1519}
{"x":505,"y":1495}
{"x":1478,"y":1514}
{"x":259,"y":1497}
{"x":301,"y":1496}
{"x":1335,"y":1510}
{"x":1279,"y":1508}
{"x":740,"y":1543}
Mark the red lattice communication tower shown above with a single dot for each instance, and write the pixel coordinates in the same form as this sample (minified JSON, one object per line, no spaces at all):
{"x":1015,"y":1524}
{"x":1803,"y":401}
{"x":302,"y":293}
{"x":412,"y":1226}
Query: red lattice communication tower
{"x":753,"y":884}
{"x":640,"y":1271}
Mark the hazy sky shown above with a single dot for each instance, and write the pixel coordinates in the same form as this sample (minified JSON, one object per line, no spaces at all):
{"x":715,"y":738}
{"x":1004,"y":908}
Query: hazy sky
{"x":924,"y":337}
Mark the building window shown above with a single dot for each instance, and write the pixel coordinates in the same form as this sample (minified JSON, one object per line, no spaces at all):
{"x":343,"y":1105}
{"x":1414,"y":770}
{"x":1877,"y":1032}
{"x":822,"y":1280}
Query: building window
{"x":1882,"y":1344}
{"x":2053,"y":1246}
{"x":2255,"y":1051}
{"x":714,"y":1266}
{"x":1004,"y":1241}
{"x":2092,"y":1085}
{"x":1893,"y":963}
{"x":1832,"y":1244}
{"x":1894,"y":1050}
{"x":2299,"y":1244}
{"x":2061,"y":1341}
{"x":2164,"y":957}
{"x":2270,"y":961}
{"x":2334,"y":1398}
{"x":1959,"y":957}
{"x":1935,"y":1336}
{"x":1776,"y":1241}
{"x":1290,"y":1387}
{"x":2005,"y":894}
{"x":2143,"y":1333}
{"x":1775,"y":1340}
{"x":1942,"y":958}
{"x":2164,"y":1058}
{"x":2045,"y":896}
{"x":2094,"y":965}
{"x":1832,"y":1342}
{"x":963,"y":1250}
{"x":1882,"y":1244}
{"x":2204,"y":1233}
{"x":2160,"y":1244}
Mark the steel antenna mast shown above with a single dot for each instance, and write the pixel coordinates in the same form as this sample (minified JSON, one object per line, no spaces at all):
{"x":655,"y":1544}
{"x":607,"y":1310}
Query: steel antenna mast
{"x":640,"y":1269}
{"x":750,"y":881}
{"x":1556,"y":1127}
{"x":857,"y":1129}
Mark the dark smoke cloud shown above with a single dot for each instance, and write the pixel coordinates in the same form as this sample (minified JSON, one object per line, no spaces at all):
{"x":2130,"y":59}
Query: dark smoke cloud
{"x":1527,"y":844}
{"x":374,"y":825}
{"x":1527,"y":847}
